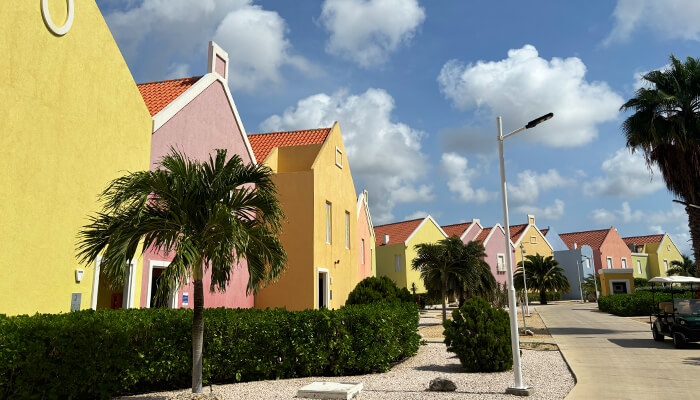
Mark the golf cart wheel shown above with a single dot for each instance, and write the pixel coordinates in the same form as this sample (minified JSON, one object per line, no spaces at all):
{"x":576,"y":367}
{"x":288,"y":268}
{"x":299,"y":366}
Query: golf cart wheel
{"x":678,"y":340}
{"x":658,"y":336}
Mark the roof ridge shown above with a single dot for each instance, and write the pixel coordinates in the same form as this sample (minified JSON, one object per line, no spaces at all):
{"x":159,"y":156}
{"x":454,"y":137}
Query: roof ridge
{"x":641,"y":236}
{"x":401,"y":222}
{"x":295,"y":131}
{"x":169,"y":80}
{"x":459,"y":223}
{"x":594,"y":230}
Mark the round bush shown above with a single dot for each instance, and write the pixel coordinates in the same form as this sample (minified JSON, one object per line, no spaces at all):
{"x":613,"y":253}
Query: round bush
{"x":480,"y":337}
{"x":378,"y":289}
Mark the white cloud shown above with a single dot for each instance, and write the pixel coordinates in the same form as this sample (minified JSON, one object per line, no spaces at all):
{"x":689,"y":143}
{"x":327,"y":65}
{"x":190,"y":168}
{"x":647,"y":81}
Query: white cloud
{"x":525,"y":86}
{"x":669,"y":19}
{"x":416,"y":215}
{"x":625,"y":214}
{"x":602,"y":216}
{"x":366,"y":31}
{"x":175,"y":33}
{"x":530,"y":184}
{"x":384,"y":155}
{"x":625,"y":175}
{"x":553,"y":211}
{"x":460,"y":178}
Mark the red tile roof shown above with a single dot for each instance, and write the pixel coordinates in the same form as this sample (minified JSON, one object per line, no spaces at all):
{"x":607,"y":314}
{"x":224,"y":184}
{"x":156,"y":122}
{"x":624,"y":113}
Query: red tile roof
{"x":398,"y":231}
{"x":516,"y":231}
{"x":263,"y":143}
{"x":158,"y":95}
{"x":592,"y":238}
{"x":642,"y":240}
{"x":544,"y":231}
{"x":482,"y":236}
{"x":456,"y":229}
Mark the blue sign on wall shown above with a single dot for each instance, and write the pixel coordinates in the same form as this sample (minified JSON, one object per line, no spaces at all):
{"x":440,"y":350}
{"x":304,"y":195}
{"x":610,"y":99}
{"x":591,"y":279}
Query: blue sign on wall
{"x":185,"y":299}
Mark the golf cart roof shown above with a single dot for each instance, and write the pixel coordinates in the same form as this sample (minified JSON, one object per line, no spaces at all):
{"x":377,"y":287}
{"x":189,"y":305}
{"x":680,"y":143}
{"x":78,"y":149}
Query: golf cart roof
{"x":674,"y":279}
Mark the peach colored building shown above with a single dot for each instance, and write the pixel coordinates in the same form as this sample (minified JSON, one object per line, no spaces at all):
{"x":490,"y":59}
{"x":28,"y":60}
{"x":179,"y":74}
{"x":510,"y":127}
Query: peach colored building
{"x":195,"y":116}
{"x":609,"y":250}
{"x":367,"y":262}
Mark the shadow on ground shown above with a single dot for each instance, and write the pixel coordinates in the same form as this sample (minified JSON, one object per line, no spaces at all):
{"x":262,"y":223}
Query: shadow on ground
{"x":651,"y":344}
{"x":692,"y":361}
{"x":582,"y":331}
{"x":450,"y":368}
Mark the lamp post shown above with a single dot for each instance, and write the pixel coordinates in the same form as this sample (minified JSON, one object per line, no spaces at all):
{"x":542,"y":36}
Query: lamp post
{"x":595,"y":282}
{"x":580,"y":289}
{"x":527,"y":305}
{"x":518,"y":388}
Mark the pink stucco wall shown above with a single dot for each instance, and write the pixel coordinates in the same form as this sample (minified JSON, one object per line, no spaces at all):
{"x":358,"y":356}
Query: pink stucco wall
{"x":205,"y":124}
{"x":613,"y":246}
{"x":472,"y":233}
{"x":363,"y":231}
{"x":494,"y":246}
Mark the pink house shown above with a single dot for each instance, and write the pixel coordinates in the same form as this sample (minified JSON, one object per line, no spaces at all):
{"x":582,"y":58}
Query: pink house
{"x":609,"y":249}
{"x":466,"y":231}
{"x":494,"y":241}
{"x":196,"y":116}
{"x":366,"y":263}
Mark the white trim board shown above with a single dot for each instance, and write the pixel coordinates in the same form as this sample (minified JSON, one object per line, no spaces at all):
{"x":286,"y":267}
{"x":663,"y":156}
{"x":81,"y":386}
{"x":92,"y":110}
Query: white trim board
{"x":129,"y":286}
{"x":325,"y":295}
{"x":173,"y":300}
{"x":420,"y":226}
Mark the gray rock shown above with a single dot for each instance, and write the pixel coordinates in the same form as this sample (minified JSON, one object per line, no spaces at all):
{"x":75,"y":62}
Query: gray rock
{"x":195,"y":396}
{"x":441,"y":384}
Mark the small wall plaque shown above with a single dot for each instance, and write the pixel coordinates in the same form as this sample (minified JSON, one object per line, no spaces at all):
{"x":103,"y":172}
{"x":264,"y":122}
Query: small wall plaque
{"x":75,"y":301}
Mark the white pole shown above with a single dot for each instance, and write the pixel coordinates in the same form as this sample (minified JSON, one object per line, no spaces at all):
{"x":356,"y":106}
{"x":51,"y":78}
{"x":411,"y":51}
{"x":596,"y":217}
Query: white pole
{"x":580,"y":289}
{"x":512,"y":305}
{"x":522,"y":255}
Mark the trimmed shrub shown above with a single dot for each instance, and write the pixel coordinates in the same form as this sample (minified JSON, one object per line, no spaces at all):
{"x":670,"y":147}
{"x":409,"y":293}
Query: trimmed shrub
{"x":101,"y":354}
{"x":640,"y":282}
{"x":378,"y":289}
{"x":480,"y":337}
{"x":635,"y":304}
{"x":551,"y":296}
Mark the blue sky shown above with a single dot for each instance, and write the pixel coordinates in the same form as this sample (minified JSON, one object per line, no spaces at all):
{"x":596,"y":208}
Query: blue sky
{"x":416,"y":87}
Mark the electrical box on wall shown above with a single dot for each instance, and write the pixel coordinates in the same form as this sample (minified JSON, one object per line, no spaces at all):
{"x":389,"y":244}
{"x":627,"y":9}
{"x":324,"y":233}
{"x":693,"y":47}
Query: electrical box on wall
{"x":79,"y":275}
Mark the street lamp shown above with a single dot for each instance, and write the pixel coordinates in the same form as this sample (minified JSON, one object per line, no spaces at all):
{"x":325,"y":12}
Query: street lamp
{"x":522,"y":255}
{"x":580,"y":289}
{"x":519,"y":387}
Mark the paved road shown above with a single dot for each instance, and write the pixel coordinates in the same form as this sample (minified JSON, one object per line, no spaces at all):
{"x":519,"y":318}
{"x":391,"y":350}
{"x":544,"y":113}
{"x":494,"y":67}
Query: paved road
{"x":616,"y":358}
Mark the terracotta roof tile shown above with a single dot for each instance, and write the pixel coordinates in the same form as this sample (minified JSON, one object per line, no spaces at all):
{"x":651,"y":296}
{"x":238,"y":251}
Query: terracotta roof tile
{"x":642,"y":240}
{"x":398,"y":231}
{"x":158,"y":95}
{"x":263,"y":143}
{"x":482,"y":236}
{"x":516,"y":231}
{"x":456,"y":229}
{"x":544,"y":231}
{"x":592,"y":238}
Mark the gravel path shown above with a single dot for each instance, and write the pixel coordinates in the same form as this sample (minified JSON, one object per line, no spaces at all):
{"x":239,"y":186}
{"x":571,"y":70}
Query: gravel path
{"x":546,"y":371}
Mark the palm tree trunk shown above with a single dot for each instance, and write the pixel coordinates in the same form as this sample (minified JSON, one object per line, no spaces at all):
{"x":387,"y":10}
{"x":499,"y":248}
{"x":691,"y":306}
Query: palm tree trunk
{"x":444,"y":295}
{"x":197,"y":331}
{"x":694,"y":225}
{"x":543,"y":296}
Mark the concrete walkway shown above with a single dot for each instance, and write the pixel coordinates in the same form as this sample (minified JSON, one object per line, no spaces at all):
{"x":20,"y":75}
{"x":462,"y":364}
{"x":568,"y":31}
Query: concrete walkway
{"x":616,"y":358}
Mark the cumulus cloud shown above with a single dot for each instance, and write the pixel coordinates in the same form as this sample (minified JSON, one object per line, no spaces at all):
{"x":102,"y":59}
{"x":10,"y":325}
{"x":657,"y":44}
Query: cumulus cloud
{"x":460,"y":179}
{"x":625,"y":214}
{"x":625,"y":175}
{"x":530,"y":184}
{"x":553,"y":211}
{"x":669,"y":19}
{"x":525,"y":86}
{"x":366,"y":31}
{"x":175,"y":33}
{"x":385,"y":156}
{"x":415,"y":215}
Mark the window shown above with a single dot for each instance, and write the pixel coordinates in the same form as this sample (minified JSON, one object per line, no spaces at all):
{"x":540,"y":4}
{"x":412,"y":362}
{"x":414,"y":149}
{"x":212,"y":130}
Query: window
{"x":639,"y":266}
{"x":666,"y":265}
{"x":397,"y":262}
{"x":328,"y":222}
{"x":533,"y":239}
{"x":362,"y":249}
{"x":624,"y":263}
{"x":610,"y":262}
{"x":338,"y":157}
{"x":501,"y":263}
{"x":347,"y":230}
{"x":668,"y":247}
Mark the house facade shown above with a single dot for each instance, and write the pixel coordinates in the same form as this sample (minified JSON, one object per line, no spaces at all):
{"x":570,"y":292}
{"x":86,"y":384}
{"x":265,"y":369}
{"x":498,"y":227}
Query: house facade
{"x":532,"y":240}
{"x":609,"y":250}
{"x":366,"y":263}
{"x":576,"y":262}
{"x":494,"y":241}
{"x":318,"y":197}
{"x":196,"y":116}
{"x":659,"y":250}
{"x":467,"y":231}
{"x":640,"y":265}
{"x":74,"y":121}
{"x":395,"y":245}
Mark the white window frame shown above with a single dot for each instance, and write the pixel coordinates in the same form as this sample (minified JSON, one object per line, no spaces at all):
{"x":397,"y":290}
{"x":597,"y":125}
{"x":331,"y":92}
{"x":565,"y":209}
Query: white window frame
{"x":338,"y":162}
{"x":625,"y":281}
{"x":347,"y":230}
{"x":624,"y":262}
{"x":327,"y":285}
{"x":500,"y":262}
{"x":329,"y":222}
{"x":173,"y":298}
{"x":362,"y":249}
{"x":639,"y":267}
{"x":533,"y":239}
{"x":610,"y":263}
{"x":397,"y":263}
{"x":129,"y":285}
{"x":665,"y":265}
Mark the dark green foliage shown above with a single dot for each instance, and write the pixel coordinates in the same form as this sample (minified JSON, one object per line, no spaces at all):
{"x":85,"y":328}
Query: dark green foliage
{"x":480,"y":336}
{"x":100,"y":354}
{"x":551,"y":296}
{"x":640,"y":282}
{"x":378,"y":289}
{"x":543,"y":275}
{"x":638,"y":303}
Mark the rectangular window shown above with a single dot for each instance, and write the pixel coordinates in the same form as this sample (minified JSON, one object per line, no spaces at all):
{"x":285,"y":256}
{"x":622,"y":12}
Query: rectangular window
{"x":610,"y":262}
{"x":338,"y":157}
{"x":501,"y":263}
{"x":624,"y":263}
{"x":639,"y":267}
{"x":533,"y":239}
{"x":666,"y":265}
{"x":362,"y":249}
{"x":328,"y":222}
{"x":397,"y":262}
{"x":347,"y":230}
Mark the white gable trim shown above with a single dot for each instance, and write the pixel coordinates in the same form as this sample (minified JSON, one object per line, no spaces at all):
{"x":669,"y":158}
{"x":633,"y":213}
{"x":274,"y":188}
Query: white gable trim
{"x":470,"y":227}
{"x":190,"y":94}
{"x":362,"y":204}
{"x":421,"y":225}
{"x":488,"y":237}
{"x":538,"y":231}
{"x":661,"y":243}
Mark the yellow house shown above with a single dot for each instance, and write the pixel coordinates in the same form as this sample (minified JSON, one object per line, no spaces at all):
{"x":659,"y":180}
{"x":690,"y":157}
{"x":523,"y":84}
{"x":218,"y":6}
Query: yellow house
{"x":396,"y":249}
{"x":660,"y":250}
{"x":73,"y":120}
{"x":640,"y":265}
{"x":317,"y":193}
{"x":532,"y":240}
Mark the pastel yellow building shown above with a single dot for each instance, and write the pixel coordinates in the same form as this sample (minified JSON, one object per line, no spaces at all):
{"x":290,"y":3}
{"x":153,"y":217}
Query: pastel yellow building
{"x":640,"y":265}
{"x":72,"y":121}
{"x":660,"y":250}
{"x":395,"y":244}
{"x":532,"y":240}
{"x":317,"y":193}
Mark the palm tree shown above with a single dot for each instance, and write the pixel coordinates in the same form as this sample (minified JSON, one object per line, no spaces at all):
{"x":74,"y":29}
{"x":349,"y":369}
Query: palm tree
{"x":665,"y":126}
{"x":209,"y":215}
{"x":542,"y":274}
{"x":684,"y":268}
{"x":590,"y":283}
{"x":479,"y":280}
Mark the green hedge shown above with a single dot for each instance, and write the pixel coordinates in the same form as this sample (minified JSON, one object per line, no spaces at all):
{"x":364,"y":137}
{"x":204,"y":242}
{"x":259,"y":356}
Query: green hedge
{"x":636,"y":304}
{"x":551,"y":296}
{"x":100,"y":354}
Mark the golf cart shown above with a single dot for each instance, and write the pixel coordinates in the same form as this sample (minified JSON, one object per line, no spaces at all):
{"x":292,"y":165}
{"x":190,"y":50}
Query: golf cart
{"x":678,"y":319}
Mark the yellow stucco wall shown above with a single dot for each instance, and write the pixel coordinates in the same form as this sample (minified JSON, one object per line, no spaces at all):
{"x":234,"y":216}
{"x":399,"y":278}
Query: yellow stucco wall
{"x":606,"y":277}
{"x":658,"y":252}
{"x":72,"y":121}
{"x":540,"y":246}
{"x":385,"y":262}
{"x":428,"y":232}
{"x":643,"y":263}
